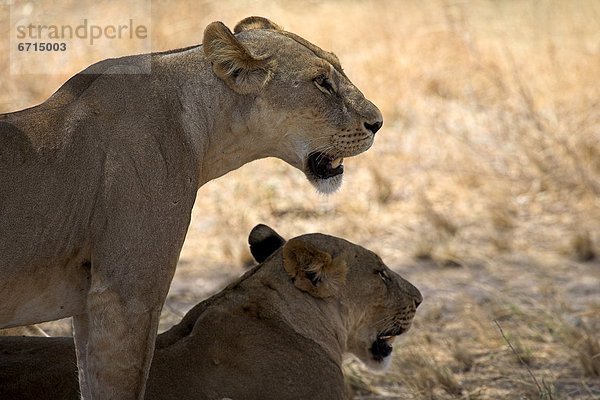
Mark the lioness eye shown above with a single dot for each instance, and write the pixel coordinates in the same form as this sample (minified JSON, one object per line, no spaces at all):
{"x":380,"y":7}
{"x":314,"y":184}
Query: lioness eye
{"x":324,"y":84}
{"x":383,"y":275}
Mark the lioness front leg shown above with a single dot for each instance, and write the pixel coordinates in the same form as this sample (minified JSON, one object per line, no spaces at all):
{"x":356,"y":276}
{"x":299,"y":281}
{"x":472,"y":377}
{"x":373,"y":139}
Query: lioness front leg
{"x":127,"y":291}
{"x":133,"y":260}
{"x":120,"y":342}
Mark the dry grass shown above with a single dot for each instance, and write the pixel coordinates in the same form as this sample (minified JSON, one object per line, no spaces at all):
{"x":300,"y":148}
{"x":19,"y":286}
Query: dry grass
{"x":483,"y":187}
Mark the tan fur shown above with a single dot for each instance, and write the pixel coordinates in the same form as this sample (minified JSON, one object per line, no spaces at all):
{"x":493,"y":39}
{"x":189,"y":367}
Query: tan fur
{"x":262,"y":337}
{"x":101,"y":178}
{"x":255,"y":23}
{"x":232,"y":62}
{"x":306,"y":264}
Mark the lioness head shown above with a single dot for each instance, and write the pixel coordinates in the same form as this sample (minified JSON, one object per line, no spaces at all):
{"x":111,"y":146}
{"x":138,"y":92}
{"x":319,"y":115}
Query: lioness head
{"x":303,"y":102}
{"x":378,"y":303}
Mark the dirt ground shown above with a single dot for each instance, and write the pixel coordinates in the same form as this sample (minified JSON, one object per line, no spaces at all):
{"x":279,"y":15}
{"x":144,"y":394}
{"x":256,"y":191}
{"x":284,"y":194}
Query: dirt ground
{"x":482,"y":188}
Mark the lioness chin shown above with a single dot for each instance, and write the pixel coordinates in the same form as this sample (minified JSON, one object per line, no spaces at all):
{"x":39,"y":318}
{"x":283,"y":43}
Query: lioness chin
{"x":98,"y":182}
{"x":279,"y":332}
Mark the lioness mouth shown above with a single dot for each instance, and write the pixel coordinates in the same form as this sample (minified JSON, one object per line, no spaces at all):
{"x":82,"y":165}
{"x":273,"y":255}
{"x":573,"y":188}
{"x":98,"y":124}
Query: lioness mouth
{"x":323,"y":166}
{"x":382,"y":346}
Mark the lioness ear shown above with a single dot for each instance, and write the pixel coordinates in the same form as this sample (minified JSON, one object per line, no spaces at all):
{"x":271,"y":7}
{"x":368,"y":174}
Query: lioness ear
{"x":232,"y":62}
{"x":312,"y":270}
{"x":264,"y":241}
{"x":255,"y":23}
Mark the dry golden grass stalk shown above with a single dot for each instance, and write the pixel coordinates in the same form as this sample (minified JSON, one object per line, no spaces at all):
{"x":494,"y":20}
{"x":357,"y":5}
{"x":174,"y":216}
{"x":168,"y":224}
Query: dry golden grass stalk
{"x":543,"y":389}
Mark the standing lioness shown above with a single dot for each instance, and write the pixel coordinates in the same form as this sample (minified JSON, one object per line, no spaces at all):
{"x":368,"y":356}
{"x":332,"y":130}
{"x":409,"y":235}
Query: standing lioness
{"x":98,"y":182}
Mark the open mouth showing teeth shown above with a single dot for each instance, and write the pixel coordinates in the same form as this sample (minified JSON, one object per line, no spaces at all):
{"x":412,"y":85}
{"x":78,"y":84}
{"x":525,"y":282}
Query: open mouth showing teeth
{"x":383,"y":345}
{"x":323,"y":166}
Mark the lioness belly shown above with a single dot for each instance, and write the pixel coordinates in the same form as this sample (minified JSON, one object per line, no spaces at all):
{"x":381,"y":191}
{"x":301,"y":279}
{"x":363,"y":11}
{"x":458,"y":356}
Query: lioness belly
{"x":43,"y":293}
{"x":47,"y":193}
{"x":42,"y":258}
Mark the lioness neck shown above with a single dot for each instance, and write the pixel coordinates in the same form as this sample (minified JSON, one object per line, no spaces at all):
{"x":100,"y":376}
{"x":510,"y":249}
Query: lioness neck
{"x":323,"y":321}
{"x":219,"y":123}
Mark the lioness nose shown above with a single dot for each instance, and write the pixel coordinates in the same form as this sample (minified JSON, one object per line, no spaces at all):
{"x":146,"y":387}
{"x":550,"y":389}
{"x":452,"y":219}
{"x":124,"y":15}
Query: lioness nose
{"x":416,"y":295}
{"x":418,"y":302}
{"x":374,"y":127}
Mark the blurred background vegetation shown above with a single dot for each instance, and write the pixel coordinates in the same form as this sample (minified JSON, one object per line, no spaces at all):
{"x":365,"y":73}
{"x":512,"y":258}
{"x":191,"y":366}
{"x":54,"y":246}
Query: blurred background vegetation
{"x":482,"y":188}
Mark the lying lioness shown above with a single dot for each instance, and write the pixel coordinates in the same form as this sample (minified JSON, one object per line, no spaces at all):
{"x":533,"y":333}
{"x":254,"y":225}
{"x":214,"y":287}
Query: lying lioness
{"x":279,"y":332}
{"x":97,"y":183}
